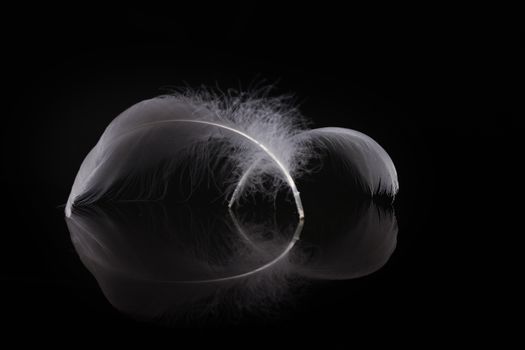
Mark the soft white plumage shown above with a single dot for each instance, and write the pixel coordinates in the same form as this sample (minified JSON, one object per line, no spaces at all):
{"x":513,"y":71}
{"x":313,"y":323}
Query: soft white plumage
{"x":262,"y":138}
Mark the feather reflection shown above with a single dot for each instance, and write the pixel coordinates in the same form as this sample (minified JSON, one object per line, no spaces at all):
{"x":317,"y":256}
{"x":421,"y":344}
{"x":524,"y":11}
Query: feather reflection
{"x":168,"y":263}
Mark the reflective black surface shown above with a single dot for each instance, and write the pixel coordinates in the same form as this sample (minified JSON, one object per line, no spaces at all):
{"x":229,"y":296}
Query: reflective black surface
{"x":178,"y":265}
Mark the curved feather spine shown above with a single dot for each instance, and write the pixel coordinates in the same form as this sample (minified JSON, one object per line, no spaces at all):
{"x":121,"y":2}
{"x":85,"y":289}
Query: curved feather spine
{"x":283,"y":169}
{"x":240,"y":184}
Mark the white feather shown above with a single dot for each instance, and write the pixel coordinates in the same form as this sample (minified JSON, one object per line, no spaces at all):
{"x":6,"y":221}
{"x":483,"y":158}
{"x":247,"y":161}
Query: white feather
{"x":257,"y":130}
{"x":261,"y":137}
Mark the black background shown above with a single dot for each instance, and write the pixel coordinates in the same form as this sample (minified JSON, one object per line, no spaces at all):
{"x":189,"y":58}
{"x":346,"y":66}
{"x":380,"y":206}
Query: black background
{"x":436,"y":87}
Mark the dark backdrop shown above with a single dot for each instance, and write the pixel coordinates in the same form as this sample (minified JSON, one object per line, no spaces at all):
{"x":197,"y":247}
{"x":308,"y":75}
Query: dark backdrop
{"x":436,"y":87}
